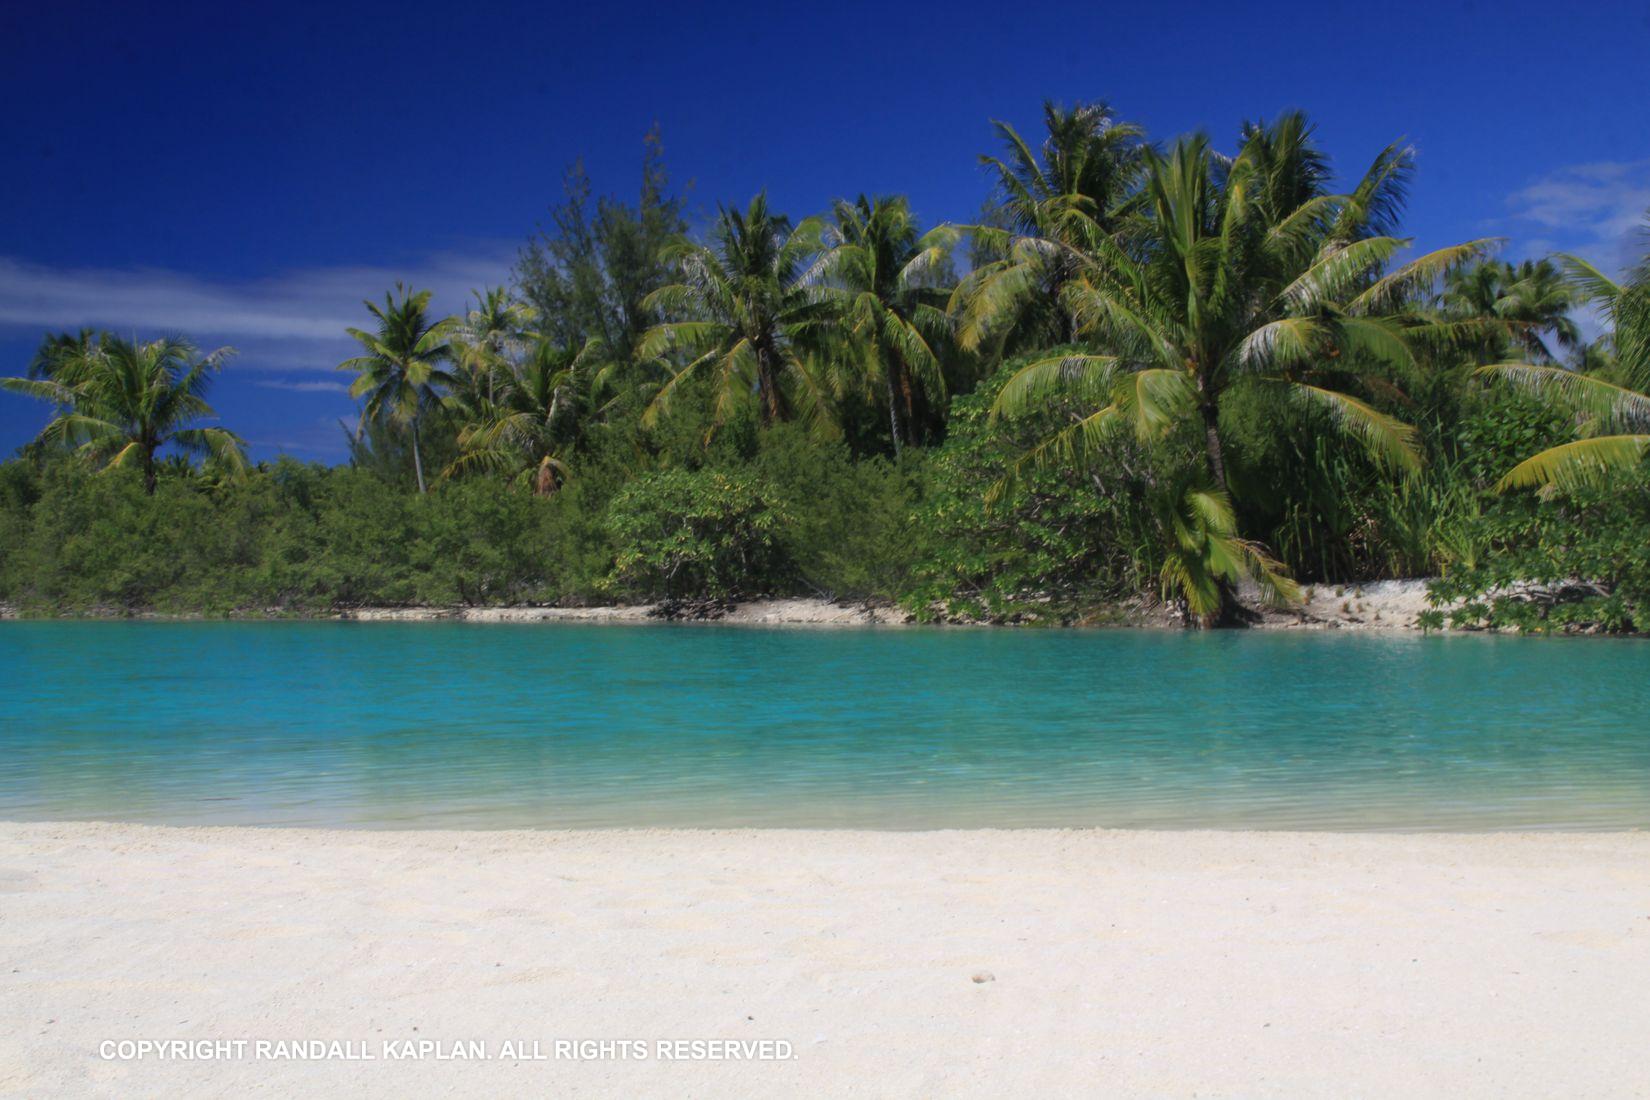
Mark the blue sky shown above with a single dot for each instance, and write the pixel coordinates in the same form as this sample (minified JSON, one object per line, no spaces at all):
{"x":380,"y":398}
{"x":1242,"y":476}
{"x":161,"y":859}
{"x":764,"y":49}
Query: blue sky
{"x":247,"y":174}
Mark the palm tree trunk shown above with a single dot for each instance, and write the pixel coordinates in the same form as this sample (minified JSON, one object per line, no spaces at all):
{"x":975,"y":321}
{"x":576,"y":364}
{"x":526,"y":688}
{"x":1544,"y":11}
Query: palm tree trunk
{"x":418,"y":462}
{"x":1210,"y":409}
{"x":893,"y":412}
{"x":1217,"y":470}
{"x":909,"y":398}
{"x":773,"y":408}
{"x":1068,"y":324}
{"x":1217,"y":455}
{"x":150,"y":479}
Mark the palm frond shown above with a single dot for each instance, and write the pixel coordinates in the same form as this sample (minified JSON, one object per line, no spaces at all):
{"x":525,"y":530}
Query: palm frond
{"x":1589,"y":282}
{"x":1029,"y":386}
{"x":1282,"y":343}
{"x":1386,"y":438}
{"x":1071,"y":446}
{"x":1334,"y":275}
{"x":1390,"y":291}
{"x":1605,"y":401}
{"x":1581,"y":464}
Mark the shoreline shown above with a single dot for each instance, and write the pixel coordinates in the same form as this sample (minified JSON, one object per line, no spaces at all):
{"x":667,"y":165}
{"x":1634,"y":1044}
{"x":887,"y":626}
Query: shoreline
{"x":947,"y":962}
{"x":1377,"y":605}
{"x":1387,"y":607}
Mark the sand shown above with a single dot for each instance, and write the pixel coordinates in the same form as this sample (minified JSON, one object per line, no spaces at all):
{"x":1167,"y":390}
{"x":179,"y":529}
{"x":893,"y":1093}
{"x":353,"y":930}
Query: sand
{"x":1387,"y":606}
{"x":1112,"y":963}
{"x":798,"y":611}
{"x":1377,"y":605}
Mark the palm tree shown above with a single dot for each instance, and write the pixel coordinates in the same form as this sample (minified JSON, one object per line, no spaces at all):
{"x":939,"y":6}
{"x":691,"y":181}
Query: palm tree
{"x":1241,"y":273}
{"x":891,"y":304}
{"x":401,"y":374}
{"x":60,"y":348}
{"x":1204,"y":558}
{"x":743,"y":312}
{"x":121,"y":402}
{"x":1529,"y":300}
{"x":1613,"y":397}
{"x":489,"y":338}
{"x":526,"y":433}
{"x":1079,"y":189}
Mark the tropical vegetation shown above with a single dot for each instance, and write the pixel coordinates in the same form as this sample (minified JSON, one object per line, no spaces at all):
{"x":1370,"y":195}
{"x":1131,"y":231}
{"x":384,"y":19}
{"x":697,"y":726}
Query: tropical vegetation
{"x":118,"y":404}
{"x":1174,"y":375}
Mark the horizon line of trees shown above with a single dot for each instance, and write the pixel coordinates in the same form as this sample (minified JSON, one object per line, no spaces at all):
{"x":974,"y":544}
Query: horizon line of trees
{"x":1219,"y":362}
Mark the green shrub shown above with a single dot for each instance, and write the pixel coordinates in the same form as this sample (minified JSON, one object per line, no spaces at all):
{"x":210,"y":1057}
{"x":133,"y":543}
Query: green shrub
{"x":1589,"y":551}
{"x":1059,"y":538}
{"x":848,"y":527}
{"x":682,"y":533}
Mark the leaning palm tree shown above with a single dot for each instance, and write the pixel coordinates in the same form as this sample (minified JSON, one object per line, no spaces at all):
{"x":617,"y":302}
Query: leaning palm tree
{"x":1234,"y":279}
{"x":119,"y":403}
{"x":402,"y":374}
{"x":1078,"y":188}
{"x":527,"y":432}
{"x":743,"y":312}
{"x":1613,"y":398}
{"x":891,"y":300}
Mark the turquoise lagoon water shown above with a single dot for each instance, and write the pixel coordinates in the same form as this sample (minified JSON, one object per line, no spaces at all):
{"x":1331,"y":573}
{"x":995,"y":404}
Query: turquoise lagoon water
{"x":470,"y":726}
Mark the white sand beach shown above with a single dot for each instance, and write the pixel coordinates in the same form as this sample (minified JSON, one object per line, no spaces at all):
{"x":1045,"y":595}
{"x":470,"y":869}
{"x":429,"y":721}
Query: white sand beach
{"x":1376,"y":605}
{"x":1382,"y":606}
{"x":991,"y":963}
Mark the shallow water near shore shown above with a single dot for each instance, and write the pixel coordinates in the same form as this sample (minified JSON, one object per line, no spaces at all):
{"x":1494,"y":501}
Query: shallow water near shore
{"x":445,"y":725}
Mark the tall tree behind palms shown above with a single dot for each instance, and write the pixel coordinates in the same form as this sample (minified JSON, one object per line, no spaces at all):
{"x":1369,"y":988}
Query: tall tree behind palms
{"x":893,"y":284}
{"x":1050,"y":204}
{"x":743,"y":313}
{"x":402,"y":373}
{"x":587,"y":275}
{"x":120,"y":402}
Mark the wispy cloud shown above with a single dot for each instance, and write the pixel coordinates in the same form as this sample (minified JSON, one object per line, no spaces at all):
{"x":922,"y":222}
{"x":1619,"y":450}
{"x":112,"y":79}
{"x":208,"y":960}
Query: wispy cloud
{"x":293,"y":386}
{"x":1595,"y":209}
{"x":291,"y":321}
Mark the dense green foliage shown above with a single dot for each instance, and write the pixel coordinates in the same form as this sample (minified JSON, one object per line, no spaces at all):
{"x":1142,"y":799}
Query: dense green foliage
{"x":1577,"y":562}
{"x":1162,"y":375}
{"x":682,"y":532}
{"x":1065,"y":536}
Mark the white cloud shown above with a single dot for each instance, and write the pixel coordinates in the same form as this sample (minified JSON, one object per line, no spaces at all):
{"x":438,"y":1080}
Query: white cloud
{"x":1597,"y":210}
{"x":291,"y":321}
{"x":302,"y":387}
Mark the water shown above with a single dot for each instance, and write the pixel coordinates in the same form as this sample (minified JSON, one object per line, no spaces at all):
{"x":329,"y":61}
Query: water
{"x":470,"y":726}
